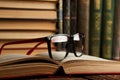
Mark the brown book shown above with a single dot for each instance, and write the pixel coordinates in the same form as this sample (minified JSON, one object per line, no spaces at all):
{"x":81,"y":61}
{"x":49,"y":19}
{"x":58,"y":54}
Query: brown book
{"x":83,"y":21}
{"x":28,"y":14}
{"x":17,"y":24}
{"x":28,"y":4}
{"x":66,"y":16}
{"x":60,"y":16}
{"x":46,"y":0}
{"x":24,"y":34}
{"x":116,"y":32}
{"x":35,"y":0}
{"x":73,"y":16}
{"x":20,"y":65}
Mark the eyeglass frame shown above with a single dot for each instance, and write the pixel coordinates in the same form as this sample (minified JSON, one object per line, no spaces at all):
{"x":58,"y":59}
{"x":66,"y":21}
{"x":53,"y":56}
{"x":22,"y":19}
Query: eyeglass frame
{"x":48,"y":40}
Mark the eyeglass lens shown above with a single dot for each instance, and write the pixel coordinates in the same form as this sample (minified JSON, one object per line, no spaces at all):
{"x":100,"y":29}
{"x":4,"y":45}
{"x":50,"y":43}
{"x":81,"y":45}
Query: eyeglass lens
{"x":67,"y":44}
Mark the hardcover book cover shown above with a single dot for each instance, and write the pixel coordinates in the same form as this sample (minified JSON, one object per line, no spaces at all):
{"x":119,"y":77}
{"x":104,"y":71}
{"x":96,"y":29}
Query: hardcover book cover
{"x":107,"y":28}
{"x":95,"y":27}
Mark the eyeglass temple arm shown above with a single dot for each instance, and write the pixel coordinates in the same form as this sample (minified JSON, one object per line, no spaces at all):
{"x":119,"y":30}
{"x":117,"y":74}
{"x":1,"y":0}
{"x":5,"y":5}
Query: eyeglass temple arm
{"x":49,"y":48}
{"x":22,"y":41}
{"x":32,"y":49}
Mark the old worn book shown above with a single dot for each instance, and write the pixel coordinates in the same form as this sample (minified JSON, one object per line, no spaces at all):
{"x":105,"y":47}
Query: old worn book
{"x":83,"y":11}
{"x":73,"y":16}
{"x":69,"y":16}
{"x":28,"y":14}
{"x":60,"y":16}
{"x":116,"y":32}
{"x":95,"y":27}
{"x":28,"y":4}
{"x":66,"y":16}
{"x":48,"y":0}
{"x":20,"y":65}
{"x":12,"y":35}
{"x":16,"y":24}
{"x":107,"y":28}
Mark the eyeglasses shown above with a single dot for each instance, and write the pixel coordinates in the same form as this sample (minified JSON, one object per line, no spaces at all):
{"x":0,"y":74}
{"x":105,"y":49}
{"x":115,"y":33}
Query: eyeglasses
{"x":68,"y":43}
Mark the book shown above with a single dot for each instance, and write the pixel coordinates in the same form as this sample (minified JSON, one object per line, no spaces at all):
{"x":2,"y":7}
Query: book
{"x":83,"y":21}
{"x":31,"y":4}
{"x":60,"y":16}
{"x":116,"y":32}
{"x":16,"y":24}
{"x":20,"y":65}
{"x":73,"y":16}
{"x":70,"y":16}
{"x":48,"y":0}
{"x":19,"y":35}
{"x":95,"y":27}
{"x":36,"y":0}
{"x":28,"y":14}
{"x":107,"y":28}
{"x":66,"y":16}
{"x":60,"y":21}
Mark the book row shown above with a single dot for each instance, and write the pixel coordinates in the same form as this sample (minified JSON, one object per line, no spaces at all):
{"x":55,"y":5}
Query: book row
{"x":100,"y":21}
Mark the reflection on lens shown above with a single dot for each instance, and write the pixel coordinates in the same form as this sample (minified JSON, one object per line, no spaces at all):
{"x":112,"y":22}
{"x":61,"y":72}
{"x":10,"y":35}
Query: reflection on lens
{"x":63,"y":53}
{"x":59,"y":39}
{"x":59,"y":55}
{"x":76,"y":37}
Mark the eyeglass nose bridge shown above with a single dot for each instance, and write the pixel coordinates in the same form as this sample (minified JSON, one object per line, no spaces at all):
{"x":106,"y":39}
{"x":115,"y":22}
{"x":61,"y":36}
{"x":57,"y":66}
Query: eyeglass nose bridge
{"x":70,"y":46}
{"x":82,"y":37}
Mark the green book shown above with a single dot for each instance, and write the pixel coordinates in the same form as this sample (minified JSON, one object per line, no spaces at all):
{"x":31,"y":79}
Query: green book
{"x":95,"y":27}
{"x":107,"y":28}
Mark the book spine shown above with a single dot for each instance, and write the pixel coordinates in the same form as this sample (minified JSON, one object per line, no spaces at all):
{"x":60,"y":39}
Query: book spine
{"x":116,"y":32}
{"x":107,"y":29}
{"x":95,"y":27}
{"x":60,"y":22}
{"x":69,"y":16}
{"x":21,"y":35}
{"x":73,"y":16}
{"x":60,"y":16}
{"x":83,"y":21}
{"x":18,"y":24}
{"x":66,"y":16}
{"x":26,"y":4}
{"x":27,"y":14}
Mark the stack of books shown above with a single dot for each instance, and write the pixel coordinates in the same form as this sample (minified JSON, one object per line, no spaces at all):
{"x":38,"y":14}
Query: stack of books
{"x":23,"y":19}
